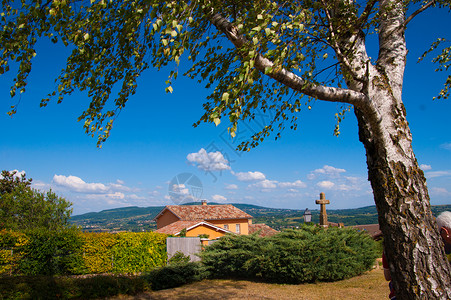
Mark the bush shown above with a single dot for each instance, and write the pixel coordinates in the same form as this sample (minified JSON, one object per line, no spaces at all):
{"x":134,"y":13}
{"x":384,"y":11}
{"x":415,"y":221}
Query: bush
{"x":179,"y":258}
{"x":293,"y":256}
{"x":126,"y":252}
{"x":68,"y":251}
{"x":176,"y":275}
{"x":50,"y":252}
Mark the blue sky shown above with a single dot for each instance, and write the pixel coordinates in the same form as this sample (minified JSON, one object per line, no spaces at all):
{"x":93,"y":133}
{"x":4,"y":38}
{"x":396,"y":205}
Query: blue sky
{"x":153,"y":142}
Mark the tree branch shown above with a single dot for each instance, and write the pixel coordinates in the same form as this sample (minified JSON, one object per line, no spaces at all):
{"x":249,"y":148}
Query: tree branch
{"x":421,"y":9}
{"x":365,"y":14}
{"x":331,"y":94}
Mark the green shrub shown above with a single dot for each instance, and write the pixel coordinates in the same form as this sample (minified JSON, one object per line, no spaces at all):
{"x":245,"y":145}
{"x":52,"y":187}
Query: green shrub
{"x":176,"y":275}
{"x":126,"y":252}
{"x":68,"y":251}
{"x":51,"y":252}
{"x":178,"y":258}
{"x":293,"y":256}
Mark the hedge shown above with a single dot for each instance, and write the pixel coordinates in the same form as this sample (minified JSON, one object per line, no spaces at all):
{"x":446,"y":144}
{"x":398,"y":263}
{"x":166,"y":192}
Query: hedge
{"x":69,"y":251}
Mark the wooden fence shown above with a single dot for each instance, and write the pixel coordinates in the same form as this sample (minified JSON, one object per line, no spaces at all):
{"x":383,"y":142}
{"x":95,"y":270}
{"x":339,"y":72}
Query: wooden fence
{"x":187,"y":245}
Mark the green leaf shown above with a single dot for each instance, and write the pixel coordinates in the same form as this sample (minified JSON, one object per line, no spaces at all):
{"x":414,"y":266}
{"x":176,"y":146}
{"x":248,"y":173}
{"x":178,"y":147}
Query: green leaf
{"x":225,"y":97}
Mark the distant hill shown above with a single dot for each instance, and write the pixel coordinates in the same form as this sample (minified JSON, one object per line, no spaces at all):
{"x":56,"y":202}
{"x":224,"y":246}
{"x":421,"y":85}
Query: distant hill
{"x":137,"y":219}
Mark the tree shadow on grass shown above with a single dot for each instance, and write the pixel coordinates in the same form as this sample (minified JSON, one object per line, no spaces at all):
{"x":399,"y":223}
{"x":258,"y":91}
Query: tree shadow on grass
{"x":206,"y":289}
{"x":70,"y":287}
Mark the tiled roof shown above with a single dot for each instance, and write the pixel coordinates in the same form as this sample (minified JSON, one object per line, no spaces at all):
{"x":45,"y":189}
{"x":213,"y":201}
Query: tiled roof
{"x":265,"y":229}
{"x":176,"y":227}
{"x":372,"y":229}
{"x":207,"y":212}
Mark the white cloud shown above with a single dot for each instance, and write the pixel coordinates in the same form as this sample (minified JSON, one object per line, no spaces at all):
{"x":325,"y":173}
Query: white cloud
{"x":154,"y":193}
{"x":212,"y":161}
{"x":76,"y":184}
{"x":446,"y":146}
{"x":325,"y":184}
{"x":345,"y":187}
{"x":116,"y":195}
{"x":218,"y":198}
{"x":265,"y":184}
{"x":135,"y":197}
{"x":231,"y":187}
{"x":437,"y":174}
{"x":249,"y":176}
{"x":295,"y":184}
{"x":425,"y":167}
{"x":40,"y":185}
{"x":327,"y":171}
{"x":439,"y":191}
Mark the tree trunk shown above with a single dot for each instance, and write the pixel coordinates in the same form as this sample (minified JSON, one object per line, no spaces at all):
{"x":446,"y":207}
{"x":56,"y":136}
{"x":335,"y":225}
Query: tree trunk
{"x":413,"y":246}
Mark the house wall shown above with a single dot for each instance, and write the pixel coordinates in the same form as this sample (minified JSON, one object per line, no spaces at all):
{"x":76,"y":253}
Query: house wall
{"x":165,"y":219}
{"x":202,"y":229}
{"x":244,"y":225}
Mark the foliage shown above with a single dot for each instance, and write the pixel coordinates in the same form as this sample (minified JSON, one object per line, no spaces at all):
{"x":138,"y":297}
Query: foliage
{"x":178,"y":258}
{"x":182,"y":233}
{"x":92,"y":287}
{"x":113,"y":42}
{"x":9,"y":181}
{"x":50,"y":252}
{"x":10,"y":255}
{"x":276,"y":52}
{"x":24,"y":208}
{"x":293,"y":256}
{"x":176,"y":275}
{"x":68,"y":251}
{"x":123,"y":252}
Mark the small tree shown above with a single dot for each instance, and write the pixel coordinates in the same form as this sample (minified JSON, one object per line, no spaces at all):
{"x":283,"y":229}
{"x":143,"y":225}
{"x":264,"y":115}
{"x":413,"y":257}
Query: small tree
{"x":23,"y":208}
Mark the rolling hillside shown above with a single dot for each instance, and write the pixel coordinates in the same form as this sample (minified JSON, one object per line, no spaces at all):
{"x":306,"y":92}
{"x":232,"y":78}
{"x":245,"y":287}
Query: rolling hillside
{"x":140,"y":218}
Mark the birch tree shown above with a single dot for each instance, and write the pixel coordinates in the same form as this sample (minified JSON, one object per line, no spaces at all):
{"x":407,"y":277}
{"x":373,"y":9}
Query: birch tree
{"x":258,"y":56}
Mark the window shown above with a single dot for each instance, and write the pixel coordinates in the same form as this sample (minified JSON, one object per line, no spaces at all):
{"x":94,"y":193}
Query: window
{"x":237,"y":228}
{"x":226,"y":227}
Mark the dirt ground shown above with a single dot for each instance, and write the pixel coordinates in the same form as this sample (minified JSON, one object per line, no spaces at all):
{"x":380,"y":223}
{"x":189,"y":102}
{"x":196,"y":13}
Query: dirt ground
{"x":370,"y":285}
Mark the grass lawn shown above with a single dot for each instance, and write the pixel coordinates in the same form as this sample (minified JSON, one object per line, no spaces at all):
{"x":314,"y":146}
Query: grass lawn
{"x":370,"y":285}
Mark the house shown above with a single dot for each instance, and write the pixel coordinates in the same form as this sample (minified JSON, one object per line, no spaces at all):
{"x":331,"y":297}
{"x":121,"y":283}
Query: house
{"x":212,"y":220}
{"x":372,"y":229}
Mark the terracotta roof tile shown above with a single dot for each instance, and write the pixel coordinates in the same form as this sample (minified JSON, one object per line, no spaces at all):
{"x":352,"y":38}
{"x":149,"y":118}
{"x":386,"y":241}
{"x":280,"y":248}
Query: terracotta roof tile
{"x":207,"y":212}
{"x":265,"y":229}
{"x":175,"y":227}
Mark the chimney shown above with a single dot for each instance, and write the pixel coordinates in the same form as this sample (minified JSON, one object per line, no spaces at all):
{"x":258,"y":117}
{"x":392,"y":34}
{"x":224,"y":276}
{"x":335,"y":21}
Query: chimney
{"x":204,"y":202}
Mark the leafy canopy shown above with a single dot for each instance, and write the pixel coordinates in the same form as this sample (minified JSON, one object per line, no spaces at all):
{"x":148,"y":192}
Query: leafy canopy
{"x":23,"y":208}
{"x":113,"y":42}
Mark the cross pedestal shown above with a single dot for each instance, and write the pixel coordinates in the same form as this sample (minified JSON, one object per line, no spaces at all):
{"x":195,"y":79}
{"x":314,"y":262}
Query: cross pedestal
{"x":323,"y":215}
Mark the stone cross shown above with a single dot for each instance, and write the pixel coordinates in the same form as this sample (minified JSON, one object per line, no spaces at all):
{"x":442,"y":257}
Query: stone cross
{"x":323,"y":216}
